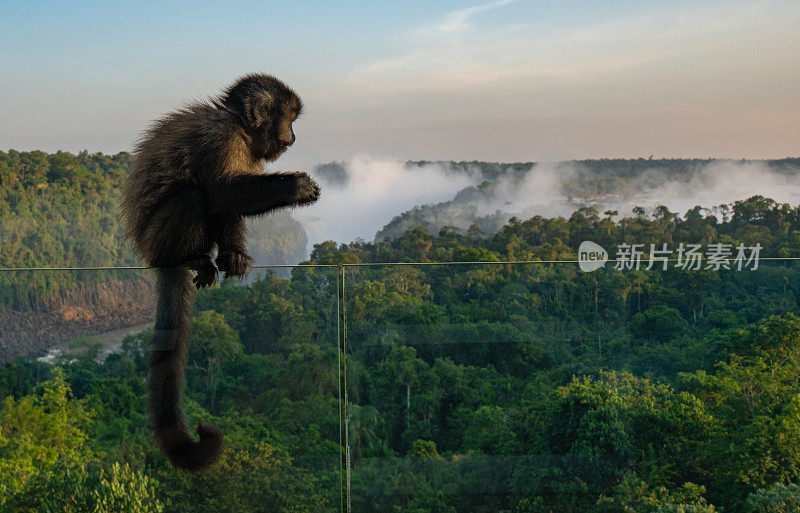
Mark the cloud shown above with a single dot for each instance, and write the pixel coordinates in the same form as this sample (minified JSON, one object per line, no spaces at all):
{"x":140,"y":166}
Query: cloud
{"x":716,"y":183}
{"x":543,"y":190}
{"x":376,"y":190}
{"x":458,"y":56}
{"x":459,"y":20}
{"x":674,"y":79}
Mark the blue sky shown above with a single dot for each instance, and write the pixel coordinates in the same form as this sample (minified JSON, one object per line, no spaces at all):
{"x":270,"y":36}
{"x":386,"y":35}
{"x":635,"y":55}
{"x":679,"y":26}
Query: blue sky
{"x":494,"y":80}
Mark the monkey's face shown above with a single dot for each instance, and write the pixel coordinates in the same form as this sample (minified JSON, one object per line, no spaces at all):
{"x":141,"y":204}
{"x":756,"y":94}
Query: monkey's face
{"x":266,"y":109}
{"x":285,"y":132}
{"x":281,"y":135}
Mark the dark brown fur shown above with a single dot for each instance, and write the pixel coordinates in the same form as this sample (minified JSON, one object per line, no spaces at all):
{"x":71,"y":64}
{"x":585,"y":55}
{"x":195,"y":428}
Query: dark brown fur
{"x":196,"y":175}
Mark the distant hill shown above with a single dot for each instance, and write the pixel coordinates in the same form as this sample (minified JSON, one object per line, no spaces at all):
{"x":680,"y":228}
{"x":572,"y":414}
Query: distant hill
{"x":558,"y":189}
{"x":60,"y":210}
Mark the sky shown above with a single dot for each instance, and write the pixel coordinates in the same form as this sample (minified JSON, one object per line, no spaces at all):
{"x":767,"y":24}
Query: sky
{"x":502,"y":80}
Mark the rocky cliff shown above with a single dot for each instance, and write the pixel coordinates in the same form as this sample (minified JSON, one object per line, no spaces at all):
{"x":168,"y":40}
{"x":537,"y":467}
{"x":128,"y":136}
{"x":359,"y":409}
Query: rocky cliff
{"x":90,"y":310}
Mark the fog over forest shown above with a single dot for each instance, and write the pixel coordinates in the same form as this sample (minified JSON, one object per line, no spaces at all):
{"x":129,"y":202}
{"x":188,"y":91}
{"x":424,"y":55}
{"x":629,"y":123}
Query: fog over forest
{"x":362,"y":195}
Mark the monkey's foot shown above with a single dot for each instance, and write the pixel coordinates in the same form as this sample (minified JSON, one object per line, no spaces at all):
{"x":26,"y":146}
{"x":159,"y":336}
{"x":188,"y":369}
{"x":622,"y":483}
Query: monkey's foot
{"x":307,"y":189}
{"x":206,"y":274}
{"x":234,"y":263}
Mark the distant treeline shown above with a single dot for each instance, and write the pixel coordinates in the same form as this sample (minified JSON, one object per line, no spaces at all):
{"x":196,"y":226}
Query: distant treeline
{"x":579,"y":182}
{"x":620,"y":168}
{"x":775,"y":226}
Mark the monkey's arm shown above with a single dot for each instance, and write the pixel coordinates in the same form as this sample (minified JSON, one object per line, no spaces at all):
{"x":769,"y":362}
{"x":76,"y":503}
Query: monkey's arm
{"x":228,"y":232}
{"x":249,"y":195}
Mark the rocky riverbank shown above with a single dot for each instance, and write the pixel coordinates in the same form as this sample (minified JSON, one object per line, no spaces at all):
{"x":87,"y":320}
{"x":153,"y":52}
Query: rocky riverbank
{"x":91,"y":310}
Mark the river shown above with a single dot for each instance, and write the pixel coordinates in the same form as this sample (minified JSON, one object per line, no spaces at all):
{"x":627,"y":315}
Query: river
{"x":110,"y":343}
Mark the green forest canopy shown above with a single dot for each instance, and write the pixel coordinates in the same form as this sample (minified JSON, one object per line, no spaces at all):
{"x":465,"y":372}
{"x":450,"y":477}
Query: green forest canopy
{"x":475,"y":388}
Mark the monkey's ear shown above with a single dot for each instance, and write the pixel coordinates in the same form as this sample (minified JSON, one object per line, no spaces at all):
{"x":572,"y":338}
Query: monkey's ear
{"x":256,"y":110}
{"x":253,"y":115}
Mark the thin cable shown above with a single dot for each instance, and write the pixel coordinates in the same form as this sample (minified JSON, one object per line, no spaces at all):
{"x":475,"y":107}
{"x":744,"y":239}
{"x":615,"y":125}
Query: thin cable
{"x":506,"y":262}
{"x":369,"y":264}
{"x":141,"y":268}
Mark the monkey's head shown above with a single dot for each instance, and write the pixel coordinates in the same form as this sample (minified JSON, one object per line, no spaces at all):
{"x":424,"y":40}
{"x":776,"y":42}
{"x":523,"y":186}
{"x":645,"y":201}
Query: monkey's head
{"x":266,"y":108}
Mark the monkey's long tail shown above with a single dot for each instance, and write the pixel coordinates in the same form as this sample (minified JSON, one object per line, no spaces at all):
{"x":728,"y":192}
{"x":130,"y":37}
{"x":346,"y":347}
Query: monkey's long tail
{"x":170,"y":346}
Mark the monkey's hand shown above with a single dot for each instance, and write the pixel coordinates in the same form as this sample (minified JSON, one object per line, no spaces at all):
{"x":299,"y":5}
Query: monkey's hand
{"x":306,"y":189}
{"x":206,"y":274}
{"x":233,"y":263}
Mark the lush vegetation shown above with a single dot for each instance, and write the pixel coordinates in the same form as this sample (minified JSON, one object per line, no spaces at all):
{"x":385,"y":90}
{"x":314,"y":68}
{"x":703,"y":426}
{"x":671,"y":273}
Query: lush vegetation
{"x":60,"y":210}
{"x":471,"y":388}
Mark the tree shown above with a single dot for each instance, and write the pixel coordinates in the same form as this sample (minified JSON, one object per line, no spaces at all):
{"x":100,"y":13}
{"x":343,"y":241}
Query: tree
{"x":261,"y":478}
{"x":778,"y":498}
{"x":39,"y":430}
{"x":214,"y":346}
{"x":658,"y":324}
{"x":76,"y":488}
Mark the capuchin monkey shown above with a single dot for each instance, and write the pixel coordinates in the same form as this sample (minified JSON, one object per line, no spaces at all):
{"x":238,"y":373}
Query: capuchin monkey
{"x":196,"y":175}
